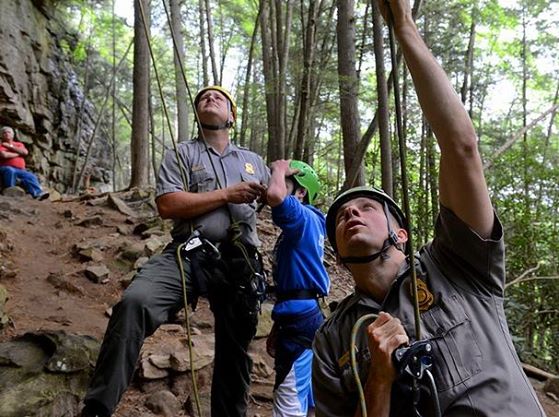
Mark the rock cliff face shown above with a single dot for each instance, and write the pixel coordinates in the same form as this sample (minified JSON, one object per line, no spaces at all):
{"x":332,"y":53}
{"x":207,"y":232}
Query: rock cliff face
{"x":40,"y":96}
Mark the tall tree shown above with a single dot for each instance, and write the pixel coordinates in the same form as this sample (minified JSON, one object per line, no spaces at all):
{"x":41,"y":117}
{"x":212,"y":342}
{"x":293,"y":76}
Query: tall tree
{"x":248,"y":73}
{"x":178,"y":56}
{"x":210,"y":33}
{"x":139,"y":145}
{"x":309,"y":46}
{"x":349,"y":86}
{"x":382,"y":93}
{"x":469,"y":60}
{"x":203,"y":53}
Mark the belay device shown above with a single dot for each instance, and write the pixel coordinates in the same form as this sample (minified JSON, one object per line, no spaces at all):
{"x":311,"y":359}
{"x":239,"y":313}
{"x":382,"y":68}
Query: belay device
{"x":416,"y":361}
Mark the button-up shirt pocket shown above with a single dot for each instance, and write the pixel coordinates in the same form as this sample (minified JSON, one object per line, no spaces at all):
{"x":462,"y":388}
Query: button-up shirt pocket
{"x":202,"y":181}
{"x":456,"y":353}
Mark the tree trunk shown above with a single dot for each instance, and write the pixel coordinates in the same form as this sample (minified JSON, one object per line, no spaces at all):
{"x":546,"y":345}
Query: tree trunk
{"x":349,"y":87}
{"x":178,"y":57}
{"x":325,"y":10}
{"x":469,"y":59}
{"x":276,"y":32}
{"x":309,"y":47}
{"x":215,"y":71}
{"x":153,"y":165}
{"x":201,"y":16}
{"x":113,"y":101}
{"x":364,"y":34}
{"x":248,"y":74}
{"x":269,"y":73}
{"x":433,"y":177}
{"x":283,"y":35}
{"x":546,"y":145}
{"x":382,"y":92}
{"x":139,"y":145}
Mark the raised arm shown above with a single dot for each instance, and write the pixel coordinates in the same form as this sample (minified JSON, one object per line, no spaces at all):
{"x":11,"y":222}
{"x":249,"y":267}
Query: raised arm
{"x":277,"y":189}
{"x":462,"y":186}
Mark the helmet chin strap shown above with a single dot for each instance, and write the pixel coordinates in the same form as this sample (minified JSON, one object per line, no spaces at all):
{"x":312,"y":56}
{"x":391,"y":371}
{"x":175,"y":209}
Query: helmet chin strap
{"x":217,"y":127}
{"x":227,"y":125}
{"x":392,"y":240}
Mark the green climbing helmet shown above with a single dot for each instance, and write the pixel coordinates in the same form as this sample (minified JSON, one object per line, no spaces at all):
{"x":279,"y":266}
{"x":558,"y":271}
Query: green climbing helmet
{"x":306,"y":178}
{"x":363,"y":191}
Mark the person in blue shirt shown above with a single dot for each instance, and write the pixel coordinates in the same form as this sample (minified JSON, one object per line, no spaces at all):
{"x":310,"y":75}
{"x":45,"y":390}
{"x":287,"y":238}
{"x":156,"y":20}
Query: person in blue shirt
{"x":300,"y":280}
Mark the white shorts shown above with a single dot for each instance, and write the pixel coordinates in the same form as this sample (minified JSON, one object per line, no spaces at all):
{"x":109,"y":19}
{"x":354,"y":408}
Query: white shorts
{"x":293,"y":397}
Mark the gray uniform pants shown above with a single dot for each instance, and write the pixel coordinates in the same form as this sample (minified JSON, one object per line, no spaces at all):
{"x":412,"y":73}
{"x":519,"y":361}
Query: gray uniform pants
{"x":156,"y":292}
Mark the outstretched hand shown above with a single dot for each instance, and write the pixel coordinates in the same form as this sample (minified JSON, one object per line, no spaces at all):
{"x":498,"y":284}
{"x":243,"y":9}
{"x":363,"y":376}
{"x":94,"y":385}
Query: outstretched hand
{"x":245,"y":192}
{"x":400,"y":10}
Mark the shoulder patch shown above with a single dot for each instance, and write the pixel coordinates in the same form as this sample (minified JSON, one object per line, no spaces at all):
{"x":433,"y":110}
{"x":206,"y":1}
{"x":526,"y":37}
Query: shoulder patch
{"x":346,"y":358}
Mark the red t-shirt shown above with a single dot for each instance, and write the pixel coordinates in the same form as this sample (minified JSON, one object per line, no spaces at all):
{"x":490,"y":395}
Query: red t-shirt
{"x":18,"y":161}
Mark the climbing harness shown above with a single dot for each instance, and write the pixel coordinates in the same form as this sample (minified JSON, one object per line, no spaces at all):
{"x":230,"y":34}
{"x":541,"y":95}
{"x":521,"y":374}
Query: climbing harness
{"x":414,"y":360}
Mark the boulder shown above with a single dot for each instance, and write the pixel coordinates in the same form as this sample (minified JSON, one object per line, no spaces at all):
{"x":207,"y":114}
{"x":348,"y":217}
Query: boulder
{"x":97,"y":273}
{"x":64,"y":283}
{"x":13,"y":192}
{"x":132,"y":250}
{"x":96,"y":220}
{"x":46,"y":372}
{"x":91,"y":254}
{"x":120,"y":205}
{"x":164,"y":403}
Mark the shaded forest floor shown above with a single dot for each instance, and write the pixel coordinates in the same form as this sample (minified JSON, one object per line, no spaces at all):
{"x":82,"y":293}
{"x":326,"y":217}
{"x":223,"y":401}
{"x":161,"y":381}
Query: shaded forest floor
{"x":39,"y":242}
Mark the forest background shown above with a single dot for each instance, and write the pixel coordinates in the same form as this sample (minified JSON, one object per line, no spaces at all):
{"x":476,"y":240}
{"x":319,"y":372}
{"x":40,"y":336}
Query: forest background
{"x":306,"y":78}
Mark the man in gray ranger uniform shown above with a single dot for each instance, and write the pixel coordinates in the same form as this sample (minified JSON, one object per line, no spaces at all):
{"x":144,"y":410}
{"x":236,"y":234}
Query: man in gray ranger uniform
{"x":224,"y":181}
{"x":462,"y":273}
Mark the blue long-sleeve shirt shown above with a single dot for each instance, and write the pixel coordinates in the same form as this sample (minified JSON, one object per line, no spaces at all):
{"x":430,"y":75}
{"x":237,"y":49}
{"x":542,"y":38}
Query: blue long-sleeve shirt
{"x":299,"y":254}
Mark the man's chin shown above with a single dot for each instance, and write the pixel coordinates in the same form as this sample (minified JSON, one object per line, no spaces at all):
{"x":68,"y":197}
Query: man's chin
{"x":358,"y":245}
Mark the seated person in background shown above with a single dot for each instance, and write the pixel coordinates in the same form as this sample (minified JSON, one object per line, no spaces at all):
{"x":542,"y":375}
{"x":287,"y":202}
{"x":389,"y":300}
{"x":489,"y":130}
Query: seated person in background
{"x":12,"y":165}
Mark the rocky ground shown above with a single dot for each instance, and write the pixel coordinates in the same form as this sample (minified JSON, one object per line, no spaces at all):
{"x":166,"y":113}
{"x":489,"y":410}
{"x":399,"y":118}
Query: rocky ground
{"x":64,"y":263}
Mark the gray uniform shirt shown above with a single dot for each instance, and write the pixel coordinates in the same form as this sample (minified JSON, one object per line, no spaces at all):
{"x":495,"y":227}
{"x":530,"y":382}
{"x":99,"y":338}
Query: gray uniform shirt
{"x":234,"y":165}
{"x":476,"y":368}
